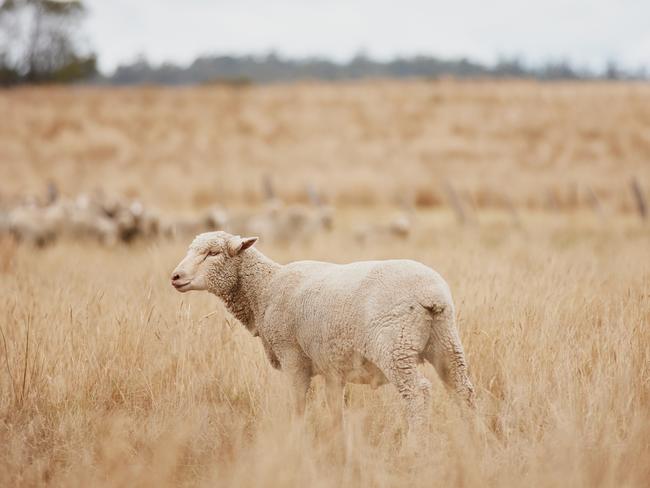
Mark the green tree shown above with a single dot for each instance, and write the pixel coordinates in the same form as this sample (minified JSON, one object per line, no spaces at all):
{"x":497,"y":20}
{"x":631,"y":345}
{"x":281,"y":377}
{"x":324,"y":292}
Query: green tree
{"x":40,"y":41}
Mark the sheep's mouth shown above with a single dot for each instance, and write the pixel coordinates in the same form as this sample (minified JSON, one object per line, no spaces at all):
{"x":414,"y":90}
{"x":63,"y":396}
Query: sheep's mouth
{"x":181,"y":286}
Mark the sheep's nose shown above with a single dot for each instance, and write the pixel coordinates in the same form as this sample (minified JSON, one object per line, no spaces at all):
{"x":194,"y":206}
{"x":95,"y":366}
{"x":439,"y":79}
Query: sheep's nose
{"x":178,"y":280}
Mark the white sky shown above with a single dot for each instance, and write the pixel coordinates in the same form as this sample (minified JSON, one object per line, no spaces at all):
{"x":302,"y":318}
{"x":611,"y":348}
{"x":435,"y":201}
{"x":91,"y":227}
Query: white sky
{"x":587,"y":32}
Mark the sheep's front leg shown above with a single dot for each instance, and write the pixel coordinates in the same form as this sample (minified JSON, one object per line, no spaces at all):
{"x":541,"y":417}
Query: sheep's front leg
{"x":335,"y":400}
{"x":298,"y":367}
{"x":301,"y":381}
{"x":337,"y":403}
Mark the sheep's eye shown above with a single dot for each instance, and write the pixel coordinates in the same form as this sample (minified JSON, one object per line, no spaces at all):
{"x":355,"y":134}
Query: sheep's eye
{"x":213,"y":252}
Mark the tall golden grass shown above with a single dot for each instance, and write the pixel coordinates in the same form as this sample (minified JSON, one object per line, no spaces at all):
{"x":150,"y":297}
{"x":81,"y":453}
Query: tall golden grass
{"x":111,"y":378}
{"x":108,"y":377}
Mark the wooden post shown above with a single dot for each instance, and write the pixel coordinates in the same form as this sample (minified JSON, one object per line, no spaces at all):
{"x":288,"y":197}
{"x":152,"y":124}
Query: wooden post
{"x":552,"y":203}
{"x":313,"y":196}
{"x":516,"y":220}
{"x":267,"y":187}
{"x":572,"y":196}
{"x":639,"y":198}
{"x":456,"y":203}
{"x":594,"y":202}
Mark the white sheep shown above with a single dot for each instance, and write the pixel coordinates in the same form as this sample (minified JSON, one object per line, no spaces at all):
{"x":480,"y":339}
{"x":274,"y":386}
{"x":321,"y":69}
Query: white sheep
{"x":281,"y":223}
{"x":398,"y":227}
{"x":366,"y":322}
{"x":285,"y":224}
{"x":30,"y":223}
{"x":214,"y":218}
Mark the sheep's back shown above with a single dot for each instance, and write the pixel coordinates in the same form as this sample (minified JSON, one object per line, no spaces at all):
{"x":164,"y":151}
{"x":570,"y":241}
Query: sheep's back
{"x":334,"y":311}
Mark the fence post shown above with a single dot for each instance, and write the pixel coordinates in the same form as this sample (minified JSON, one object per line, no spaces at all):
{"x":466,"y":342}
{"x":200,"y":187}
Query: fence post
{"x":456,"y":204}
{"x":267,"y":187}
{"x":516,"y":220}
{"x":594,"y":202}
{"x":639,"y":198}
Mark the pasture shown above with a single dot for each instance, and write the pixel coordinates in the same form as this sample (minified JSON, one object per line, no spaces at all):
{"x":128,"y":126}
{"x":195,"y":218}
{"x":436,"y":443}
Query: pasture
{"x":108,"y":377}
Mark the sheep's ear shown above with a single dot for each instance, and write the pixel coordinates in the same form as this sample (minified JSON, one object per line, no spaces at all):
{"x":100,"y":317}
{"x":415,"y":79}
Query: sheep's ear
{"x":240,"y":244}
{"x":247,"y":242}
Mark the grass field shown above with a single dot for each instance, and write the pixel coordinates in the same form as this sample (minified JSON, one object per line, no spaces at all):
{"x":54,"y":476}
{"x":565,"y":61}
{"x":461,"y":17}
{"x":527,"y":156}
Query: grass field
{"x":108,"y":377}
{"x":524,"y":143}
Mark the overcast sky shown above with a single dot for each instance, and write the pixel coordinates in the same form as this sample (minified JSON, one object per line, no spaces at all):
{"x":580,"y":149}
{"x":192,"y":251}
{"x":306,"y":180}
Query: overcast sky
{"x":587,"y":32}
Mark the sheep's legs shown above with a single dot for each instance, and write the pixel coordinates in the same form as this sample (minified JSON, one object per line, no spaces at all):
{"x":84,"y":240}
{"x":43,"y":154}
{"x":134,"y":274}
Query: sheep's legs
{"x":446,"y":354}
{"x":299,"y":371}
{"x":335,"y":400}
{"x":402,"y":371}
{"x":300,"y":380}
{"x":336,"y":403}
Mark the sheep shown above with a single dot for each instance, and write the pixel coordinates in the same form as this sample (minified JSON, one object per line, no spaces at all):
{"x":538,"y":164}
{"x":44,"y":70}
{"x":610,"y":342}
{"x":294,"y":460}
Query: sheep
{"x":367,"y":322}
{"x":111,"y":219}
{"x":85,"y":218}
{"x":400,"y":226}
{"x":29,"y":223}
{"x":281,"y":223}
{"x":284,"y":224}
{"x":4,"y":223}
{"x":215,"y":218}
{"x":88,"y":216}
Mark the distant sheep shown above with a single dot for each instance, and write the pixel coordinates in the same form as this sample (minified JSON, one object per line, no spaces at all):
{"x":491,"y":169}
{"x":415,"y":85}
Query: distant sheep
{"x":215,"y":218}
{"x":28,"y":223}
{"x":280,"y":223}
{"x":366,"y":322}
{"x":399,"y":227}
{"x":285,"y":224}
{"x":84,"y":218}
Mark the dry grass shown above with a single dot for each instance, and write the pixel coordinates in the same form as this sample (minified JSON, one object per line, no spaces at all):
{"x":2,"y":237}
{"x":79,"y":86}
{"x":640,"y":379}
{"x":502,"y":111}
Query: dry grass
{"x":108,"y":377}
{"x":112,"y":378}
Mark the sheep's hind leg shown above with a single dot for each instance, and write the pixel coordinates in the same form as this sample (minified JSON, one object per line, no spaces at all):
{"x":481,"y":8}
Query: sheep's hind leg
{"x":445,"y":353}
{"x":402,"y":371}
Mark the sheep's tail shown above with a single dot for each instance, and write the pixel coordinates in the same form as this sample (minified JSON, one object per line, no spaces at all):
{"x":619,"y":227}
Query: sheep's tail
{"x":438,"y":303}
{"x":435,"y":308}
{"x":441,"y":321}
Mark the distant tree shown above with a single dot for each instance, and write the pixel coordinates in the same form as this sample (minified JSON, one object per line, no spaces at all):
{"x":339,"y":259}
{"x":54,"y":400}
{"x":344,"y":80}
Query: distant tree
{"x":510,"y":68}
{"x":611,"y":70}
{"x":242,"y":70}
{"x":558,"y":70}
{"x":40,"y":42}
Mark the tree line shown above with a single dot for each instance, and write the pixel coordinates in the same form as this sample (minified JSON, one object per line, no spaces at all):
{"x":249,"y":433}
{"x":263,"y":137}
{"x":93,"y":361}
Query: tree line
{"x":41,"y":41}
{"x":273,"y":68}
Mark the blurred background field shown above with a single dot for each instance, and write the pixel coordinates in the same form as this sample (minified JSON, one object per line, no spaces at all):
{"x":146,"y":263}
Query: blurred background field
{"x":522,"y":143}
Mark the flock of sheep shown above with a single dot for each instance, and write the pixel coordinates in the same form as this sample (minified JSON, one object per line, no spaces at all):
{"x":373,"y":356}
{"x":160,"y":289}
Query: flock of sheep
{"x":368,"y":322}
{"x":109,"y":221}
{"x":96,"y":218}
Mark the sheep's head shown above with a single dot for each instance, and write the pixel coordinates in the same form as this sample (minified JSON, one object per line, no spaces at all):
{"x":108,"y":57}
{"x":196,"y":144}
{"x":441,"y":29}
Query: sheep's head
{"x":211,"y":263}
